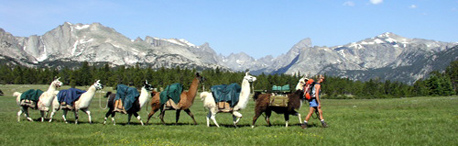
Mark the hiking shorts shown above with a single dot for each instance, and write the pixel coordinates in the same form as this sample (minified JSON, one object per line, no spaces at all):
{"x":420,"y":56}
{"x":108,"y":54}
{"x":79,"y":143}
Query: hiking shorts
{"x":313,"y":103}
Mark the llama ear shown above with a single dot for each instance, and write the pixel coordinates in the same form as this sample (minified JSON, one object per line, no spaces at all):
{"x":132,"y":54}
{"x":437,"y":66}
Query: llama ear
{"x":197,"y":74}
{"x":98,"y":81}
{"x":146,"y":82}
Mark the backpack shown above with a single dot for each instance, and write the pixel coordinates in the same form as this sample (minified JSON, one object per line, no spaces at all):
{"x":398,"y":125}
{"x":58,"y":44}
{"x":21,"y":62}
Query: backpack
{"x":309,"y":85}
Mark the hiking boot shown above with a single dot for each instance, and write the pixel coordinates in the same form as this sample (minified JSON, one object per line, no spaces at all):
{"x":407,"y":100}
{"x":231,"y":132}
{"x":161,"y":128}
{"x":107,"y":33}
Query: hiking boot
{"x":304,"y":126}
{"x":324,"y":124}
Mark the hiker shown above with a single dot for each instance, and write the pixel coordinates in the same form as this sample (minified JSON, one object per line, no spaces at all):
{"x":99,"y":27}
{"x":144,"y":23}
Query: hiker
{"x":315,"y":103}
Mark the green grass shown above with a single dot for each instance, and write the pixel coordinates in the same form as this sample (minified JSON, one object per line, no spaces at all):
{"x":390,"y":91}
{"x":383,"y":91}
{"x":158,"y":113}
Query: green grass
{"x":401,"y":121}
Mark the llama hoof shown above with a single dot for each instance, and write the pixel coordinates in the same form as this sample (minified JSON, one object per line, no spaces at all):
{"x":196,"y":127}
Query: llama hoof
{"x":304,"y":126}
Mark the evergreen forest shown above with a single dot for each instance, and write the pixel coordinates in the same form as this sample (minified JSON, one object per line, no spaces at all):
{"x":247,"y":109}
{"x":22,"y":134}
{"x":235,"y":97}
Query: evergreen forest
{"x":438,"y":83}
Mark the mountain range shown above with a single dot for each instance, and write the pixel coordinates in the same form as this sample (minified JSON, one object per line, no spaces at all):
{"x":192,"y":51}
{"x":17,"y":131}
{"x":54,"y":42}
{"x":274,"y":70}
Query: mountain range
{"x":387,"y":56}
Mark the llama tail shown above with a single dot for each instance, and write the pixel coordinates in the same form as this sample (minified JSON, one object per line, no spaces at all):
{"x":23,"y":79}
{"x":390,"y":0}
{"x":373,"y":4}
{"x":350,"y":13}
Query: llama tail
{"x":18,"y":97}
{"x":108,"y":94}
{"x":16,"y":94}
{"x":256,"y":95}
{"x":203,"y":95}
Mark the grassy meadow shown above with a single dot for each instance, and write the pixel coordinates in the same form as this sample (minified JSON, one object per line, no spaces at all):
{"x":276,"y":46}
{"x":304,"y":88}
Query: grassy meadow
{"x":401,"y":121}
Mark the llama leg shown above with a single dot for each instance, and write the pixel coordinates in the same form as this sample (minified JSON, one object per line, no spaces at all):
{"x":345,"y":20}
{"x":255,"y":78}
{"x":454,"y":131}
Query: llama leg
{"x":109,"y":112}
{"x":112,"y":118}
{"x":256,"y":116}
{"x":129,"y":115}
{"x":19,"y":115}
{"x":88,"y":115}
{"x":188,"y":111}
{"x":299,"y":116}
{"x":236,"y":117}
{"x":268,"y":114}
{"x":42,"y":113}
{"x":64,"y":115}
{"x":286,"y":119}
{"x":51,"y":115}
{"x":151,"y":114}
{"x":213,"y":117}
{"x":76,"y":116}
{"x":162,"y":116}
{"x":177,"y":116}
{"x":139,"y":118}
{"x":26,"y":111}
{"x":106,"y":117}
{"x":208,"y":118}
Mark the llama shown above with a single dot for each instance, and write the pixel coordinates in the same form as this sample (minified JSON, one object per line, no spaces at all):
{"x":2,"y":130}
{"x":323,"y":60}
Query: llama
{"x":44,"y":101}
{"x":82,"y":104}
{"x":294,"y":103}
{"x":136,"y":107}
{"x":210,"y":104}
{"x":185,"y":103}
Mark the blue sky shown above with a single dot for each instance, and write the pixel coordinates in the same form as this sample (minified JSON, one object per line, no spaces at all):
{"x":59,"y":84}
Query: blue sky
{"x":256,"y":27}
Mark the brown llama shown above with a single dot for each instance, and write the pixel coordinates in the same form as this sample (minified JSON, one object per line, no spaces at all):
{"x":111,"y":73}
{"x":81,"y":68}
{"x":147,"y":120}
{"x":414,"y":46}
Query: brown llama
{"x":185,"y":103}
{"x":294,"y":103}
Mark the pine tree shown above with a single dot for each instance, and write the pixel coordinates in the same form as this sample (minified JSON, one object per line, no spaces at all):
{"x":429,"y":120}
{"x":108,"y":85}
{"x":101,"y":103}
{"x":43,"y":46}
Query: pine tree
{"x":434,"y":84}
{"x":18,"y":75}
{"x":452,"y":72}
{"x":85,"y":74}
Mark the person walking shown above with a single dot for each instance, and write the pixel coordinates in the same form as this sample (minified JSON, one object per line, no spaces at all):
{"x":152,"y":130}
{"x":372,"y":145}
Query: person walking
{"x":315,"y":103}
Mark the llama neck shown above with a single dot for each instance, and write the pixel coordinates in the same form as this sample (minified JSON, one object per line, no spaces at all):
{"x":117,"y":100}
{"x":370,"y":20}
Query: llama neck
{"x":51,"y":88}
{"x":49,"y":95}
{"x":299,"y":86}
{"x":86,"y":98}
{"x":144,"y":95}
{"x":244,"y":93}
{"x":193,"y":90}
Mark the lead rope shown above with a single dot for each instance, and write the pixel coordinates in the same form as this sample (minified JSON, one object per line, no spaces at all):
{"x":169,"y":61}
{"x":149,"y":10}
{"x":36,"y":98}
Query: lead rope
{"x":317,"y":114}
{"x":147,"y":105}
{"x":252,"y":88}
{"x":100,"y":103}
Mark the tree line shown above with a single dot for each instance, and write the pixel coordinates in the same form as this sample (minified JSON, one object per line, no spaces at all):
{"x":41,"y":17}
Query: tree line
{"x":437,"y":84}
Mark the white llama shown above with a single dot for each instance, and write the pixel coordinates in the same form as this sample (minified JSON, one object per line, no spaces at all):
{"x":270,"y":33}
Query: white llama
{"x":44,"y":101}
{"x":81,"y":104}
{"x":210,"y":104}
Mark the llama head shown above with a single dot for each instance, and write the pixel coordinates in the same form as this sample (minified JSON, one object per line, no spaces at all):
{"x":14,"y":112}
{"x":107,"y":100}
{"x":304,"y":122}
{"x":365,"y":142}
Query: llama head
{"x":200,"y":78}
{"x":98,"y":85}
{"x":56,"y":83}
{"x":249,"y":77}
{"x":147,"y":86}
{"x":301,"y":83}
